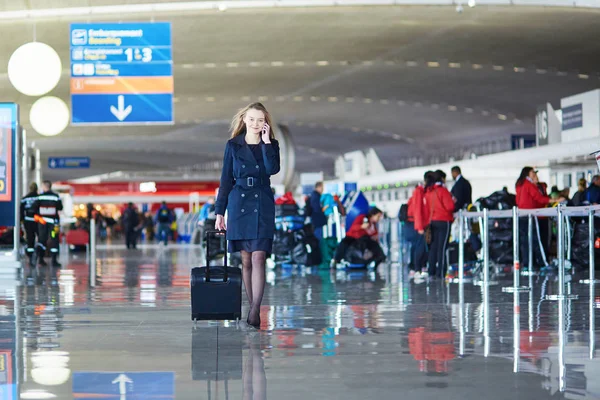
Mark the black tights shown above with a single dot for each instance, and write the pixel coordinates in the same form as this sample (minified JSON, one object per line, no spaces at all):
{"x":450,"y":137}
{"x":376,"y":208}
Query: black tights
{"x":253,"y":273}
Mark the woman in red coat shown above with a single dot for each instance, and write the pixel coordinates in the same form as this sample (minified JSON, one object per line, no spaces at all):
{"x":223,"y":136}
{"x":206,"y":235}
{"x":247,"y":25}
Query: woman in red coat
{"x":440,"y":207}
{"x":531,"y":196}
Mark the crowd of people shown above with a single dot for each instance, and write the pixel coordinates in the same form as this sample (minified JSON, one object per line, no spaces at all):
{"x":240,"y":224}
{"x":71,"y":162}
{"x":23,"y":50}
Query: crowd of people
{"x":361,"y":243}
{"x":132,"y":224}
{"x":427,"y":219}
{"x":429,"y":213}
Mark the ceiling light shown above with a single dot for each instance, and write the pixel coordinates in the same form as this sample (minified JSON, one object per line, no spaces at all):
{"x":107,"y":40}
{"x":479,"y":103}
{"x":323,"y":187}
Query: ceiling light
{"x":34,"y":69}
{"x":37,"y":395}
{"x":49,"y":116}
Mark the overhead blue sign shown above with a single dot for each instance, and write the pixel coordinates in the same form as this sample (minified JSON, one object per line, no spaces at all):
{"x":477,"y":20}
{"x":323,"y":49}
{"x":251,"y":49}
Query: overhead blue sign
{"x":131,"y":109}
{"x":572,"y":117}
{"x":124,"y":385}
{"x":68,"y":162}
{"x":121,"y":73}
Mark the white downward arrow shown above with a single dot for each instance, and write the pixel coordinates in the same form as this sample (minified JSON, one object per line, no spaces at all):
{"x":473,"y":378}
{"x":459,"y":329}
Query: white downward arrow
{"x":122,"y":380}
{"x":121,"y":112}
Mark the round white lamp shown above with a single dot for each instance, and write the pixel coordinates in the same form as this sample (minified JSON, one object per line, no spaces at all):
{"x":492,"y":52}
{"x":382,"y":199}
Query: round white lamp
{"x":49,"y":116}
{"x":34,"y":69}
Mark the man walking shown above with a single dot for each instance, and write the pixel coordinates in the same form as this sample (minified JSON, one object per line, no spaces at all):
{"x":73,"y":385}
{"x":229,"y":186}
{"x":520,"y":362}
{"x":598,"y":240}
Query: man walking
{"x":131,"y":221}
{"x":29,"y":209}
{"x":49,"y":204}
{"x":164,"y":218}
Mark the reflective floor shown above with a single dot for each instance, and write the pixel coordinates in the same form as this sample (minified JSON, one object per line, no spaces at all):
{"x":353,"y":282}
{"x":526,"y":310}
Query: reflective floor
{"x":325,"y":335}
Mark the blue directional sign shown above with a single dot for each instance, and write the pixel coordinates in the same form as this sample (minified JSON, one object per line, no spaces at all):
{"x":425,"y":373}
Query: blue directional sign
{"x":121,"y":73}
{"x":123,"y":385}
{"x":69,"y":162}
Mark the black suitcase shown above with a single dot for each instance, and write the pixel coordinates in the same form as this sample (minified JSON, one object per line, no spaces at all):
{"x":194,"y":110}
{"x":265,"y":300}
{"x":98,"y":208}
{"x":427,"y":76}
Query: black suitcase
{"x":216,"y":291}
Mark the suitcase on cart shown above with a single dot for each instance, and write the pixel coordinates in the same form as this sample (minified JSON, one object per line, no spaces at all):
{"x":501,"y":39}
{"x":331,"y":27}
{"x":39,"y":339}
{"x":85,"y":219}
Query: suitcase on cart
{"x":217,"y":290}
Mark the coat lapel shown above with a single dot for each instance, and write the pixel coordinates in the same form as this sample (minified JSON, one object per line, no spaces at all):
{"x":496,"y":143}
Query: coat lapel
{"x":243,"y":150}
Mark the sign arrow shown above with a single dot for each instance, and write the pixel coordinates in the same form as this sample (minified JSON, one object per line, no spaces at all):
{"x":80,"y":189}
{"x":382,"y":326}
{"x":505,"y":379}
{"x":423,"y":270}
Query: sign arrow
{"x":122,"y":380}
{"x":121,"y":112}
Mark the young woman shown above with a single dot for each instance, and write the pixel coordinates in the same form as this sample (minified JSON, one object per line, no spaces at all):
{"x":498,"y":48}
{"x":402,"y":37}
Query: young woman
{"x":440,"y":207}
{"x":251,"y":157}
{"x":531,"y":196}
{"x":363,"y":235}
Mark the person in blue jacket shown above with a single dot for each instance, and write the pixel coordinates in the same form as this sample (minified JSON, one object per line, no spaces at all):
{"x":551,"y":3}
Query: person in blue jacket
{"x":318,"y":218}
{"x":251,"y":157}
{"x":164,"y":218}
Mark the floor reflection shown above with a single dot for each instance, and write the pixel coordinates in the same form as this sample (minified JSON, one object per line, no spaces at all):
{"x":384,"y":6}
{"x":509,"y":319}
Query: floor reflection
{"x":324,"y":333}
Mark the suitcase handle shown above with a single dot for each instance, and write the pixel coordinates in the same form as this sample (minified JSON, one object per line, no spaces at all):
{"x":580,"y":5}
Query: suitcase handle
{"x":215,"y":232}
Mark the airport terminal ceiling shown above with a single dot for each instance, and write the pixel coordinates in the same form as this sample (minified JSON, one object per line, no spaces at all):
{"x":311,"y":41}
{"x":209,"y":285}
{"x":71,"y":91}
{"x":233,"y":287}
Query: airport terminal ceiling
{"x":407,"y":81}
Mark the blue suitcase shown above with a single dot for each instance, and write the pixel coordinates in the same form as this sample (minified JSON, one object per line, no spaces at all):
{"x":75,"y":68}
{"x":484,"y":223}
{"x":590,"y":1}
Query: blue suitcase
{"x":217,"y":290}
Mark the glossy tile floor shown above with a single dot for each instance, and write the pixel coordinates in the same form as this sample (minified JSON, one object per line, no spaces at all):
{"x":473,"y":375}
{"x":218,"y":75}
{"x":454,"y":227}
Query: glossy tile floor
{"x":325,"y":335}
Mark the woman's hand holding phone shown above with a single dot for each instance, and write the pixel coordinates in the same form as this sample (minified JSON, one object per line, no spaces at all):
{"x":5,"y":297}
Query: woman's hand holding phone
{"x":266,"y":133}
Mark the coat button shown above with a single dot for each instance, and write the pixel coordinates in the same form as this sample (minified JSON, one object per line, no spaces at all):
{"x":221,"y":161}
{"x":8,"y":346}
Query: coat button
{"x":255,"y":195}
{"x":243,"y":166}
{"x":243,"y":195}
{"x":243,"y":210}
{"x":257,"y":167}
{"x":255,"y":210}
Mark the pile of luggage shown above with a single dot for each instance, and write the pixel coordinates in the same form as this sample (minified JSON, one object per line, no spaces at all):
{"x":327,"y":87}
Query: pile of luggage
{"x":580,"y":256}
{"x":294,"y":241}
{"x":501,"y":230}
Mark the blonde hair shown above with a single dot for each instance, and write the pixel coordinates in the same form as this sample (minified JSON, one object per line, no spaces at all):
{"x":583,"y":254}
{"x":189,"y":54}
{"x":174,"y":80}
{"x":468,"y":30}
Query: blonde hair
{"x":238,"y":126}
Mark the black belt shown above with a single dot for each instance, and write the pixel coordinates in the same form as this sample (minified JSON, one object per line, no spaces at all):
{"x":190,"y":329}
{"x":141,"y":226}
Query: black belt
{"x":252,"y":182}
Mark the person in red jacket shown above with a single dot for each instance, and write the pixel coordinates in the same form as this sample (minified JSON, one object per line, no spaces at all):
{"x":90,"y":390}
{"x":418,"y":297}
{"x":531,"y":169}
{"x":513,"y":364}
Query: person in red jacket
{"x":363,"y":235}
{"x":530,"y":195}
{"x":414,"y":228}
{"x":440,"y":207}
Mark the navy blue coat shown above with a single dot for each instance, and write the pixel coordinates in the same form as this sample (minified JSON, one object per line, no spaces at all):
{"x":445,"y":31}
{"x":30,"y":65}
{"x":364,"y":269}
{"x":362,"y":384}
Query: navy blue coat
{"x":317,"y":217}
{"x":250,"y":209}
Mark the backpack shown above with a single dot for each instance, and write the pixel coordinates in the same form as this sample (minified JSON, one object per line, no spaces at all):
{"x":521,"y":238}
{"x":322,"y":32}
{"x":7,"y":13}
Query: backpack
{"x":163,"y":216}
{"x":403,"y":213}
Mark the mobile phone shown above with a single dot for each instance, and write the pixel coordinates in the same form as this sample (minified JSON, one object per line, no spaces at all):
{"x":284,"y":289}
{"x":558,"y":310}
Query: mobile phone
{"x":265,"y":128}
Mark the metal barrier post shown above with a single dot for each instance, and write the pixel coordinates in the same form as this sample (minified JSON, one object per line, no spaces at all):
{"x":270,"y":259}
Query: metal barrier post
{"x":562,"y":370}
{"x":530,"y":302}
{"x":461,"y":256}
{"x":591,"y":249}
{"x":516,"y":331}
{"x":592,"y":311}
{"x":516,"y":243}
{"x":560,"y":250}
{"x":92,"y":252}
{"x":486,"y":280}
{"x":530,"y":243}
{"x":516,"y":288}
